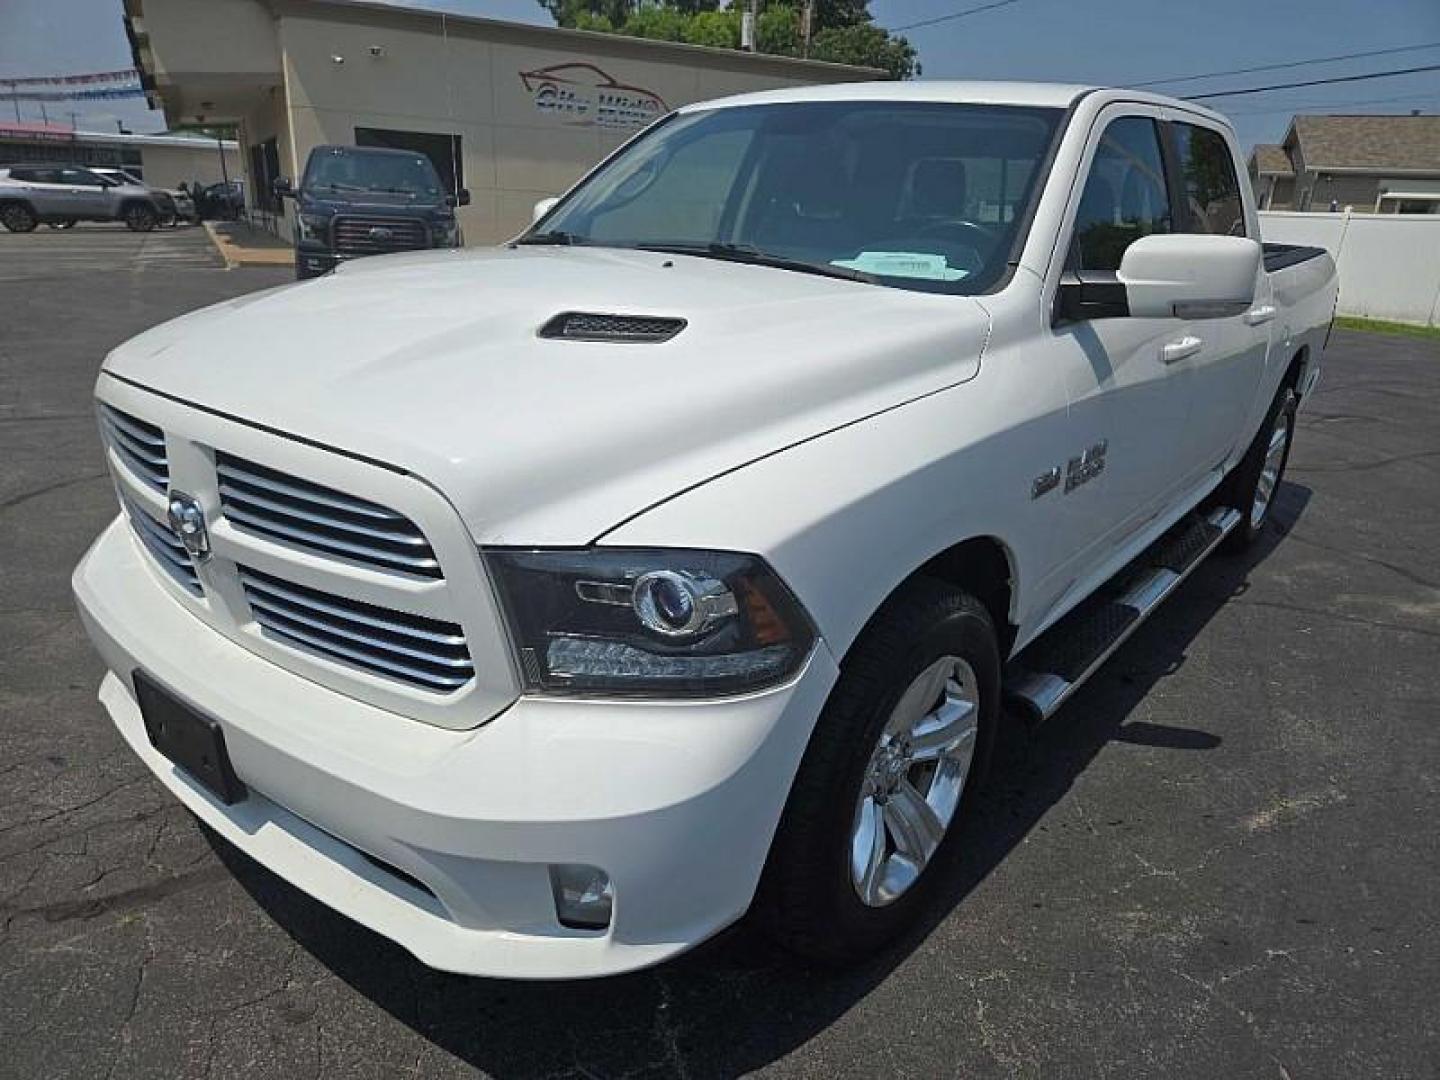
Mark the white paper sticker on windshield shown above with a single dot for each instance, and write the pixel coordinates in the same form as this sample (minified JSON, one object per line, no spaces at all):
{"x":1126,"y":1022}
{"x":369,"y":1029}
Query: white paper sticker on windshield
{"x":911,"y":264}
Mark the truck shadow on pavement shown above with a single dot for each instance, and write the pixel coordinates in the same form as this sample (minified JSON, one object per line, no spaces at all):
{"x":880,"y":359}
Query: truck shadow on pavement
{"x":735,"y":1004}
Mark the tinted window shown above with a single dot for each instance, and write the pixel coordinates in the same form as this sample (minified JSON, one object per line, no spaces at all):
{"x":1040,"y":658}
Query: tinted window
{"x":345,"y":170}
{"x":914,"y":195}
{"x":34,"y":176}
{"x":444,"y":151}
{"x":79,"y":178}
{"x":1124,"y":197}
{"x":1212,"y":190}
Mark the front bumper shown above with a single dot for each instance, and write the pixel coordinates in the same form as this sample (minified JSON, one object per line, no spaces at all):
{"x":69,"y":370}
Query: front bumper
{"x":676,"y":802}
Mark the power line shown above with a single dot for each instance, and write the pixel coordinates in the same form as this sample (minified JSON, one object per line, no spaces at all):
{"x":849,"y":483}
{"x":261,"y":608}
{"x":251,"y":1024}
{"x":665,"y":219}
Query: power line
{"x":1320,"y":106}
{"x":1290,"y":64}
{"x":952,"y":15}
{"x":1314,"y":82}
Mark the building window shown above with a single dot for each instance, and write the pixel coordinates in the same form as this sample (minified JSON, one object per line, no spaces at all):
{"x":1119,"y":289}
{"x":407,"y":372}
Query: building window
{"x":442,"y":150}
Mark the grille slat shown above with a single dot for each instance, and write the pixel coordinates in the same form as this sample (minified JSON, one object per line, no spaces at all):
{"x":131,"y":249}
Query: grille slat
{"x":423,"y":652}
{"x":169,"y":553}
{"x":139,"y":445}
{"x":284,"y":508}
{"x":353,"y":235}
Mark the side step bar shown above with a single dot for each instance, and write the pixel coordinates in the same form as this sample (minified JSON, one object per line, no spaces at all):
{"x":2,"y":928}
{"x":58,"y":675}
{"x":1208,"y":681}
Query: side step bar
{"x":1054,"y":666}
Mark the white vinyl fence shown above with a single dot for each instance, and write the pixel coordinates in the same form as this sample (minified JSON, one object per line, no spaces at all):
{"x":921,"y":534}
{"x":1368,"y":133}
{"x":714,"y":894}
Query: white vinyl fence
{"x":1389,"y":263}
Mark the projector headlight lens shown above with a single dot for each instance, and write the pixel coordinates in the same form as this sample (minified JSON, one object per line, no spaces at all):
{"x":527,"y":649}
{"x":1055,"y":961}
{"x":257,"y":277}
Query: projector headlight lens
{"x":652,"y":622}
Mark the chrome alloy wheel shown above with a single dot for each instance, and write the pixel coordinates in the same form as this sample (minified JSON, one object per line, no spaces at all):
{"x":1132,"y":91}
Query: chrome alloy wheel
{"x":1270,"y":471}
{"x":912,"y":784}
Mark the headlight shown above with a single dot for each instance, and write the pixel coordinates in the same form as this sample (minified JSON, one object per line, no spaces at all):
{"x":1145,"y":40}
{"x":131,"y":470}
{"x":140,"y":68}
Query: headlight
{"x":650,"y":622}
{"x":312,"y":226}
{"x":444,"y":230}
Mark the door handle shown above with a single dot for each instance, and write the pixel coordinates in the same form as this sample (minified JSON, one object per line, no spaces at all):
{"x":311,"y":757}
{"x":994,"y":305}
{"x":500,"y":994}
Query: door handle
{"x":1174,"y":351}
{"x":1262,"y":314}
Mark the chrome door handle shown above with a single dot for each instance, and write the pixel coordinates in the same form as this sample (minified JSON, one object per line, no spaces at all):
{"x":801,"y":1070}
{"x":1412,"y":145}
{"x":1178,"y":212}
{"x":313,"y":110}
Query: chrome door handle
{"x":1174,"y":351}
{"x":1262,"y":314}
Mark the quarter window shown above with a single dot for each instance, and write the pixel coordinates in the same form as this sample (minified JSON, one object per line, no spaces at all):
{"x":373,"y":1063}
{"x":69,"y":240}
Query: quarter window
{"x":1212,"y":190}
{"x":1124,"y":198}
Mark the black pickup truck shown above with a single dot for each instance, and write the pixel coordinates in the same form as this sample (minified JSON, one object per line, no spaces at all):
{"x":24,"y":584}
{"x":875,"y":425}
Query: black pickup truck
{"x":355,"y":201}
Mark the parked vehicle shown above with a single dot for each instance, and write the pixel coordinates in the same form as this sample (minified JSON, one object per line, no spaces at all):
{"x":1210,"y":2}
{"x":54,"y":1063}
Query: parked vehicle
{"x":175,"y":205}
{"x":360,"y":200}
{"x":64,"y":194}
{"x":223,"y":201}
{"x":546,"y":608}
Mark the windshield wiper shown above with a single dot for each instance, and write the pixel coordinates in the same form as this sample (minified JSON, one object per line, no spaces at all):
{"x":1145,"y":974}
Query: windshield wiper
{"x":553,"y":237}
{"x":753,"y":256}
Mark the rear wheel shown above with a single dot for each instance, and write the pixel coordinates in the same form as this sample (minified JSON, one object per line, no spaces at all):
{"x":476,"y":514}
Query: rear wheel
{"x":140,"y":218}
{"x":1253,"y":485}
{"x":871,"y":826}
{"x":18,"y":218}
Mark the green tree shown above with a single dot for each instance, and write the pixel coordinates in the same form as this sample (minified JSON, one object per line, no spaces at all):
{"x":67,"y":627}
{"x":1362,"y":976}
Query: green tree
{"x":843,"y":30}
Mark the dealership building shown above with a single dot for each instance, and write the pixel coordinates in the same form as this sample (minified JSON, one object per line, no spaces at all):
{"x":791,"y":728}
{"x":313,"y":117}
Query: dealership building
{"x":513,"y":113}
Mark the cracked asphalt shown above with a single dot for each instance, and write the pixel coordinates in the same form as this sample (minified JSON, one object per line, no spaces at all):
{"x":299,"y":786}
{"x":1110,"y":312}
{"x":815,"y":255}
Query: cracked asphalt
{"x":1221,"y":858}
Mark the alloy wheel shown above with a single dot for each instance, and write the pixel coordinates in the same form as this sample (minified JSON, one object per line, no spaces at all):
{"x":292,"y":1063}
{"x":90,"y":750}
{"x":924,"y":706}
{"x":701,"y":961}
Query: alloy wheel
{"x":912,"y":784}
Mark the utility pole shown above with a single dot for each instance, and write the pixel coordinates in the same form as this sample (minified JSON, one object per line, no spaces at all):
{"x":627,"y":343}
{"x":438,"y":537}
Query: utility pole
{"x":44,"y":114}
{"x":747,"y":27}
{"x":807,"y":27}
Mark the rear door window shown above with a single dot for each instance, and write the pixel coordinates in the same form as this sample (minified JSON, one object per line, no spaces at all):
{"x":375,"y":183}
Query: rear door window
{"x":1212,"y":188}
{"x":1125,"y":196}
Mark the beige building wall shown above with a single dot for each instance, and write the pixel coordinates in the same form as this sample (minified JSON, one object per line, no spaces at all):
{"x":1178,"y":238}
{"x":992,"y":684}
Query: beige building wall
{"x":167,"y":166}
{"x":417,"y":72}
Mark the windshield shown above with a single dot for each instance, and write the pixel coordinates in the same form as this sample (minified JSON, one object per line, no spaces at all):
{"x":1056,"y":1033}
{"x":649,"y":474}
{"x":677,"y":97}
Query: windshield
{"x":915,"y":195}
{"x":344,"y":170}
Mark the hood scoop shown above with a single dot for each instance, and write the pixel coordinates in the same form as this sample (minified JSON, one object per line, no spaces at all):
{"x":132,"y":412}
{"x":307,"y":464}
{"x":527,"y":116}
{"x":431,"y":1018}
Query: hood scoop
{"x":592,"y":326}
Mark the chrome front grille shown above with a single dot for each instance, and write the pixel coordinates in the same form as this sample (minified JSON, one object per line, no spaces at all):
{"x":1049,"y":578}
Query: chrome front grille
{"x":420,"y":651}
{"x":165,"y":546}
{"x":375,"y":235}
{"x":140,"y":445}
{"x":281,"y":507}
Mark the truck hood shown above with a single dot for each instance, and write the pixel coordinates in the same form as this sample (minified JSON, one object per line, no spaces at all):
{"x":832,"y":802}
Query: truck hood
{"x":432,"y":362}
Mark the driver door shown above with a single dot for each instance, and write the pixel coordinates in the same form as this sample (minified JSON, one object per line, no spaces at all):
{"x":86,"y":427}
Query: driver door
{"x":1128,"y":402}
{"x":88,"y":197}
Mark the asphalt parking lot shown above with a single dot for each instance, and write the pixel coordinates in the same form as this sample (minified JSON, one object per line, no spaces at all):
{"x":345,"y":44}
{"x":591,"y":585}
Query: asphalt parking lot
{"x":1221,"y":858}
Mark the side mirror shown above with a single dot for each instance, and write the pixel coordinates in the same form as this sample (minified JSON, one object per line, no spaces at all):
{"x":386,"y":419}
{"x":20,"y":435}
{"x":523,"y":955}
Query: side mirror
{"x":1188,"y":276}
{"x":281,"y":188}
{"x":543,"y":207}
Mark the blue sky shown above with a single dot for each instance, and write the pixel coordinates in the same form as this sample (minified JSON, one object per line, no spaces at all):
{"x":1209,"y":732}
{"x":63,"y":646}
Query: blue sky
{"x":1104,"y":41}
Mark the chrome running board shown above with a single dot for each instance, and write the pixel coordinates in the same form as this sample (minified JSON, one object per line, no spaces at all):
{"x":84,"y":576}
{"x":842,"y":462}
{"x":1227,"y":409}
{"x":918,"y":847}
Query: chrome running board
{"x":1054,"y":666}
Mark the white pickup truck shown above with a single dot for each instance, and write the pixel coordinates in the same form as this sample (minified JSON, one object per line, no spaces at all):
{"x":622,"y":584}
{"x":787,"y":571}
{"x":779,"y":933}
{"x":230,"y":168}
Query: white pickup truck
{"x":546,"y":608}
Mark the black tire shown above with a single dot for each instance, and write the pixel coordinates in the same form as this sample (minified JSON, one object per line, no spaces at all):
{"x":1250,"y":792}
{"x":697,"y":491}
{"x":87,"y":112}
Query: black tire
{"x":1242,"y":488}
{"x":18,"y":218}
{"x":140,"y":218}
{"x":808,"y":900}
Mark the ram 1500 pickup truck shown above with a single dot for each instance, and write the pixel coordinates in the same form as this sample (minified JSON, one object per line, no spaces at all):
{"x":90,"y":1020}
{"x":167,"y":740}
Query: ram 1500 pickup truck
{"x":548,"y":607}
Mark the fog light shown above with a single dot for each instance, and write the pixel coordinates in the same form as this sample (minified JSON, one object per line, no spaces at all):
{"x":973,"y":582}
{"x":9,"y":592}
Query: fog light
{"x":583,"y":896}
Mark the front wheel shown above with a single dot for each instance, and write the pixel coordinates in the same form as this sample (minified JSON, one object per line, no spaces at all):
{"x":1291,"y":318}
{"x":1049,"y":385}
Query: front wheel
{"x":140,"y":218}
{"x":872,"y":823}
{"x":18,"y":218}
{"x":1251,"y":488}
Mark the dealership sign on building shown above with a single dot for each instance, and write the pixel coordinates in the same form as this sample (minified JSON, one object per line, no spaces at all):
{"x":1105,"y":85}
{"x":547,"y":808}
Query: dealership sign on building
{"x":584,"y":95}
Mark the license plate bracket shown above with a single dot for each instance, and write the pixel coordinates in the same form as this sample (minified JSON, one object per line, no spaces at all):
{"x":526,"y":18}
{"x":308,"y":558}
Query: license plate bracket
{"x":189,"y":738}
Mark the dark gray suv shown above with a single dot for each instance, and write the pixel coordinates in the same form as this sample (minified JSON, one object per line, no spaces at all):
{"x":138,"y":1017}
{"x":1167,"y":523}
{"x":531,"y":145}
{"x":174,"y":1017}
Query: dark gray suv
{"x":64,"y":194}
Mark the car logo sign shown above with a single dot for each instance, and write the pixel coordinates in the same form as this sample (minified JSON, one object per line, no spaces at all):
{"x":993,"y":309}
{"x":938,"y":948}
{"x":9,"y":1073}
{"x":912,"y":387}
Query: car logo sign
{"x":187,"y":520}
{"x":379,"y":232}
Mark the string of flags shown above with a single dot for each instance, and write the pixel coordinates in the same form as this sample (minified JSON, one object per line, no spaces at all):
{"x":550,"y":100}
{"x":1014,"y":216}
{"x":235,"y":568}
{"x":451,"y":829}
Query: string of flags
{"x":90,"y":86}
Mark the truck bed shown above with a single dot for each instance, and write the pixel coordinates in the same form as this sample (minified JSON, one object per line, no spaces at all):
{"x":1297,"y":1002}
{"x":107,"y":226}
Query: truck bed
{"x":1279,"y":256}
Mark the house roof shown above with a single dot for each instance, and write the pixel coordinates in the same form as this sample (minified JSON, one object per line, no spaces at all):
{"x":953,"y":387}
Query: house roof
{"x":1271,"y":160}
{"x":1382,"y":144}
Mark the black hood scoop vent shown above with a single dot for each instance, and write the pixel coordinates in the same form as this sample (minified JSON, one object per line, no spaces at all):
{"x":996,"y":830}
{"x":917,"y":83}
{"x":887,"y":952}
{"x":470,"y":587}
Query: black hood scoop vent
{"x":591,"y":326}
